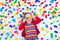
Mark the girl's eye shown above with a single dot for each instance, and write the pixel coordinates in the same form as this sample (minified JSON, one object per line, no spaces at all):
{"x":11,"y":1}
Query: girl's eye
{"x":26,"y":18}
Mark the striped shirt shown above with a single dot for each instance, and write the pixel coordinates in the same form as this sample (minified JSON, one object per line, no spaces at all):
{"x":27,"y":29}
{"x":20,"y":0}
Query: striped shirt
{"x":30,"y":31}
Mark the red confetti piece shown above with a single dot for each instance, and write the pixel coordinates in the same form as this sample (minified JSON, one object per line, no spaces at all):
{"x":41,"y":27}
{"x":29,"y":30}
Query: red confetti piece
{"x":5,"y":16}
{"x":12,"y":34}
{"x":48,"y":14}
{"x":19,"y":5}
{"x":24,"y":0}
{"x":56,"y":2}
{"x":8,"y":14}
{"x":10,"y":0}
{"x":28,"y":2}
{"x":41,"y":38}
{"x":42,"y":2}
{"x":45,"y":11}
{"x":45,"y":16}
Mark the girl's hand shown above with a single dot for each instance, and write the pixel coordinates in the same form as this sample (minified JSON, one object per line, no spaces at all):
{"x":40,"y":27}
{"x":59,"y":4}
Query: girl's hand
{"x":24,"y":20}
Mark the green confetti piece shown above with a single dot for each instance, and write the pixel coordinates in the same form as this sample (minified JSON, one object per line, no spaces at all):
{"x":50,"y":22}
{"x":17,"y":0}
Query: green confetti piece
{"x":2,"y":27}
{"x":10,"y":36}
{"x":59,"y":24}
{"x":51,"y":35}
{"x":56,"y":39}
{"x":34,"y":13}
{"x":51,"y":23}
{"x":15,"y":2}
{"x":6,"y":2}
{"x":18,"y":2}
{"x":42,"y":28}
{"x":0,"y":38}
{"x":43,"y":22}
{"x":56,"y":9}
{"x":56,"y":16}
{"x":26,"y":18}
{"x":1,"y":16}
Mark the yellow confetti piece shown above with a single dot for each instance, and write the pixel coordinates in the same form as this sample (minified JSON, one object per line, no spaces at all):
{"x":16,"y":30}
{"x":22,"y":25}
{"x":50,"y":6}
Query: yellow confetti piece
{"x":12,"y":4}
{"x":58,"y":36}
{"x":23,"y":4}
{"x":58,"y":8}
{"x":47,"y":31}
{"x":44,"y":34}
{"x":9,"y":38}
{"x":1,"y":3}
{"x":41,"y":12}
{"x":32,"y":2}
{"x":16,"y":13}
{"x":10,"y":31}
{"x":18,"y":24}
{"x":4,"y":32}
{"x":56,"y":16}
{"x":15,"y":38}
{"x":58,"y":28}
{"x":41,"y":9}
{"x":0,"y":24}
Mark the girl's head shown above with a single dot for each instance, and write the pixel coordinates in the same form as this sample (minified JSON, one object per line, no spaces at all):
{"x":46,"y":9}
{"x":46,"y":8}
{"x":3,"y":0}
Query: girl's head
{"x":28,"y":17}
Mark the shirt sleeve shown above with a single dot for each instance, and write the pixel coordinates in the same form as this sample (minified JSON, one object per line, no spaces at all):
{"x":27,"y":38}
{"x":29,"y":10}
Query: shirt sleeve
{"x":38,"y":20}
{"x":21,"y":27}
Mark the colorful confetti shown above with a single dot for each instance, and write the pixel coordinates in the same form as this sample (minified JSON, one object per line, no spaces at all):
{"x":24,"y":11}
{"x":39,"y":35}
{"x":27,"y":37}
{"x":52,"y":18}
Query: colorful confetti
{"x":11,"y":13}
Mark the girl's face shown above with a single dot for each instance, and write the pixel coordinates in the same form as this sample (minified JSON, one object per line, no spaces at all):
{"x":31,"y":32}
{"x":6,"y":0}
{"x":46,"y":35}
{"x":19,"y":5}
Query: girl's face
{"x":28,"y":18}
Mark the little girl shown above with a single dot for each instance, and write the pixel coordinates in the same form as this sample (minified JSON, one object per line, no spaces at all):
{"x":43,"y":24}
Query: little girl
{"x":28,"y":25}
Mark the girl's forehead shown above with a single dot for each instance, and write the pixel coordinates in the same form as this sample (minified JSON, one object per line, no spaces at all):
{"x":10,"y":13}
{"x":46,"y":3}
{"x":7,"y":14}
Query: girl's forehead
{"x":27,"y":15}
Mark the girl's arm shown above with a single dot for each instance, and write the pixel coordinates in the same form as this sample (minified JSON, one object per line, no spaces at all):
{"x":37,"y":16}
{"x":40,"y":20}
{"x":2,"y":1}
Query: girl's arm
{"x":22,"y":23}
{"x":36,"y":20}
{"x":21,"y":27}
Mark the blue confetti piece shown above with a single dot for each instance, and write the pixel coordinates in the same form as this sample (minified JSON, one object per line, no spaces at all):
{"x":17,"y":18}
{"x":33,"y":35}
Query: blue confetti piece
{"x":37,"y":0}
{"x":57,"y":20}
{"x":1,"y":34}
{"x":13,"y":9}
{"x":39,"y":5}
{"x":52,"y":16}
{"x":50,"y":4}
{"x":21,"y":16}
{"x":10,"y":26}
{"x":34,"y":8}
{"x":2,"y":7}
{"x":55,"y":26}
{"x":33,"y":5}
{"x":30,"y":8}
{"x":9,"y":22}
{"x":14,"y":20}
{"x":46,"y":5}
{"x":59,"y":15}
{"x":12,"y":0}
{"x":55,"y":31}
{"x":16,"y":28}
{"x":12,"y":16}
{"x":6,"y":38}
{"x":55,"y":35}
{"x":1,"y":22}
{"x":42,"y":19}
{"x":46,"y":26}
{"x":52,"y":1}
{"x":8,"y":34}
{"x":0,"y":10}
{"x":22,"y":8}
{"x":5,"y":10}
